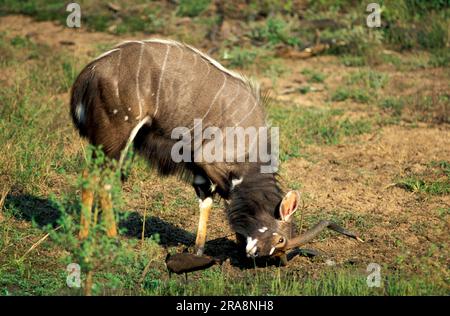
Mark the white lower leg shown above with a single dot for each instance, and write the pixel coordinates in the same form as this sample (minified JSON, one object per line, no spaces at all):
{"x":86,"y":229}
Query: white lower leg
{"x":205,"y":208}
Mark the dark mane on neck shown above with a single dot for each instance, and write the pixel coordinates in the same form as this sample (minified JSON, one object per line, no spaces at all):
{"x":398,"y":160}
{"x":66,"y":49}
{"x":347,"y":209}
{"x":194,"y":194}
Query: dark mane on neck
{"x":255,"y":198}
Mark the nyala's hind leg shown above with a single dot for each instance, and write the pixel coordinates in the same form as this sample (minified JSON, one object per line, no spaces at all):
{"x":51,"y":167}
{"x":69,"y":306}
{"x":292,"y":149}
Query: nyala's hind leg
{"x":87,"y":200}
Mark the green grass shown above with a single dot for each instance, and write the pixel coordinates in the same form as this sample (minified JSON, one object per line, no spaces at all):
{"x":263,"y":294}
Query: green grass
{"x":435,"y":180}
{"x":353,"y":61}
{"x":192,"y":8}
{"x":26,"y":103}
{"x":314,"y":76}
{"x":356,"y":95}
{"x":440,"y":58}
{"x":368,"y":79}
{"x":312,"y":126}
{"x":393,"y":105}
{"x":34,"y":278}
{"x":239,"y":58}
{"x":418,"y":185}
{"x":362,"y":86}
{"x":273,"y":31}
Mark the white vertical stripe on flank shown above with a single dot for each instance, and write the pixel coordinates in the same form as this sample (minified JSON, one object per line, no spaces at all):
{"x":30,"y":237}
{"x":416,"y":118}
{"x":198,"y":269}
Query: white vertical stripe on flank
{"x":234,"y":98}
{"x":253,"y":108}
{"x":138,"y":93}
{"x":214,"y":100}
{"x":195,"y":60}
{"x":160,"y":80}
{"x":246,"y":100}
{"x":118,"y":74}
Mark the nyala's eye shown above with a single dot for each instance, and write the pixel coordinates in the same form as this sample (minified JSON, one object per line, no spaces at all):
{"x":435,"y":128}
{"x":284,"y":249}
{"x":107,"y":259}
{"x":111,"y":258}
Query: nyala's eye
{"x":281,"y":240}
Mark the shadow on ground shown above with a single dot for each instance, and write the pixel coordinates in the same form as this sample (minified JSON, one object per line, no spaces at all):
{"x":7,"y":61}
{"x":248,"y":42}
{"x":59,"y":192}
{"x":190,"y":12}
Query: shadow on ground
{"x":32,"y":208}
{"x":44,"y":212}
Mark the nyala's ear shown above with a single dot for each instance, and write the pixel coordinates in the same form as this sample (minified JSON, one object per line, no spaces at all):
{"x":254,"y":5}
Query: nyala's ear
{"x":289,"y":205}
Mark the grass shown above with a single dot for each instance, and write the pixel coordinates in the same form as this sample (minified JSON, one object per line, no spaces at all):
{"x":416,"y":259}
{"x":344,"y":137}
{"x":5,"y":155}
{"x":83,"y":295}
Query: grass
{"x":192,"y":8}
{"x":239,"y":57}
{"x":313,"y":76}
{"x":393,"y":105}
{"x":434,"y":181}
{"x":362,"y":86}
{"x":124,"y":280}
{"x":312,"y":126}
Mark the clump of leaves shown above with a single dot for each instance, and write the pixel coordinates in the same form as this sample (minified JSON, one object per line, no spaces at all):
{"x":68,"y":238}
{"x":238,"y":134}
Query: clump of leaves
{"x":192,"y":8}
{"x":96,"y":251}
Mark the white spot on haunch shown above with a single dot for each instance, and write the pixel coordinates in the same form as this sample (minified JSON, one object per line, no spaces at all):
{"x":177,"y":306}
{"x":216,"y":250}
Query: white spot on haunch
{"x":126,"y":118}
{"x":263,"y":229}
{"x":251,"y":246}
{"x":129,"y":109}
{"x":115,"y":111}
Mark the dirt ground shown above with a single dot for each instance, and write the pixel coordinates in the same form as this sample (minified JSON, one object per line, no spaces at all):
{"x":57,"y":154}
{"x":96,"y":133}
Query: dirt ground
{"x":353,"y":181}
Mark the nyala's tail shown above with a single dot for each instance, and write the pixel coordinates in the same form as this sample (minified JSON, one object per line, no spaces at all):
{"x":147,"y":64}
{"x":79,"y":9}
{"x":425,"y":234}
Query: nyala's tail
{"x":81,"y":100}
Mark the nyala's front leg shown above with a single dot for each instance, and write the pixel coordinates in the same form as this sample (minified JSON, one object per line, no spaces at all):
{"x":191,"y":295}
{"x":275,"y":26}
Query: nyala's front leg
{"x":205,"y":208}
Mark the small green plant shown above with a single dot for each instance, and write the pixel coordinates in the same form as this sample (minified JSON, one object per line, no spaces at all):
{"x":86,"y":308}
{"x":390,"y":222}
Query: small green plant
{"x":91,"y":241}
{"x":341,"y":94}
{"x":353,"y":61}
{"x":192,"y":8}
{"x":354,"y":94}
{"x":274,"y":31}
{"x":356,"y":41}
{"x":440,"y":58}
{"x":368,"y":79}
{"x":239,"y":57}
{"x":314,"y":76}
{"x":435,"y":181}
{"x":394,"y":105}
{"x":417,"y":185}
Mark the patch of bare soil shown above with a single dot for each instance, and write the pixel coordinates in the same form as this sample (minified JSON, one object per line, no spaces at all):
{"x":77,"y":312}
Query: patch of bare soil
{"x":358,"y":178}
{"x":77,"y":40}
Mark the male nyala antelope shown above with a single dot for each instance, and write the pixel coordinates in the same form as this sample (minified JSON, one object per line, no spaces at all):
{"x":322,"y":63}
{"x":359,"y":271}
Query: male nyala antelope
{"x":140,"y":91}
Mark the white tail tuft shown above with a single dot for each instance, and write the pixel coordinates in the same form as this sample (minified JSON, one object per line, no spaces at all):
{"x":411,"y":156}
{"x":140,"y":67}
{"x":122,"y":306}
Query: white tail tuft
{"x":80,"y":113}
